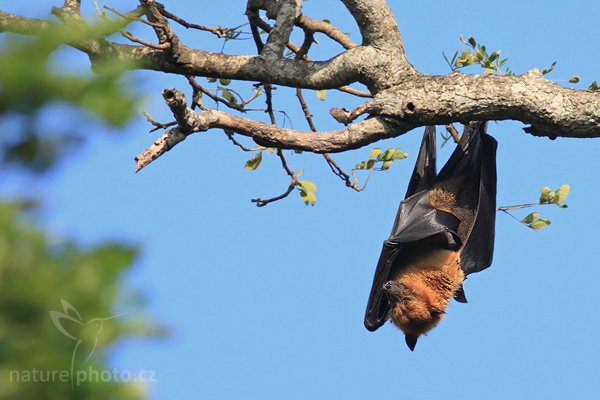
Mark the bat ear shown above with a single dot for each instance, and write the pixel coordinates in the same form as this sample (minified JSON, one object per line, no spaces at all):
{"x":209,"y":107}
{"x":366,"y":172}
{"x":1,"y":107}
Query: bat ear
{"x":411,"y":341}
{"x":460,"y":295}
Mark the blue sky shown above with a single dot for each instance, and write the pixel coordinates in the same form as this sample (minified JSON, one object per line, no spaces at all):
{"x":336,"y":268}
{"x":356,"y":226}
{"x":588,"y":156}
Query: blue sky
{"x":268,"y":302}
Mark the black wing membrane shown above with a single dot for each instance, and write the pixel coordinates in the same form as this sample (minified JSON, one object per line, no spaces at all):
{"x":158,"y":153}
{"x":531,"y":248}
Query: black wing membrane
{"x":478,"y":250}
{"x":425,"y":172}
{"x":470,"y":173}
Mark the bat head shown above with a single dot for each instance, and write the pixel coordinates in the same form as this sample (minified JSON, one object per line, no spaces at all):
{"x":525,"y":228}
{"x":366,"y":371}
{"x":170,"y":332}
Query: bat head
{"x":411,"y":310}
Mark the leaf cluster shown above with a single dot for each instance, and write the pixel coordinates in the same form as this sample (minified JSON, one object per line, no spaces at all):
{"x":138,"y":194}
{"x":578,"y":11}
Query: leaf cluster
{"x":547,"y":196}
{"x":307,"y":191}
{"x":383,"y":159}
{"x":477,"y":54}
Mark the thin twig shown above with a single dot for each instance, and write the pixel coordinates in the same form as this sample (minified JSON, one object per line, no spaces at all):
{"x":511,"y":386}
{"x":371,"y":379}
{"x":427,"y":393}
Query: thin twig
{"x":452,"y":131}
{"x":294,"y":183}
{"x":218,"y":30}
{"x":263,"y":202}
{"x":129,"y":36}
{"x":519,"y":206}
{"x":229,"y":135}
{"x":335,"y":168}
{"x":161,"y":26}
{"x":132,"y":16}
{"x":257,"y":92}
{"x":355,"y":92}
{"x":344,"y":176}
{"x":512,"y":216}
{"x":366,"y":180}
{"x":345,"y":117}
{"x":199,"y":88}
{"x":309,"y":39}
{"x":158,"y":125}
{"x":285,"y":166}
{"x":326,"y":28}
{"x":254,"y":21}
{"x":269,"y":100}
{"x":305,"y":110}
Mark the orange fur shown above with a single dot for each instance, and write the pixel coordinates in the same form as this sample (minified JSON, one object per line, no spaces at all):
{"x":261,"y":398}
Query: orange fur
{"x":430,"y":283}
{"x":431,"y":276}
{"x":442,"y":199}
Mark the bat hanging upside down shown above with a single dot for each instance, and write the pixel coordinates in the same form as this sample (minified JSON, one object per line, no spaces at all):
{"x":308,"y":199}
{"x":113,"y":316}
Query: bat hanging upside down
{"x":444,"y":230}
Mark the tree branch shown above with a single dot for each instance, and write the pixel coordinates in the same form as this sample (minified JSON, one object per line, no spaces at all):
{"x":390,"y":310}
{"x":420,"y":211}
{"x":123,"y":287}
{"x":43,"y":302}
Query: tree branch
{"x":280,"y":35}
{"x":267,"y":135}
{"x":23,"y":26}
{"x":334,"y":33}
{"x":376,"y":22}
{"x":551,"y":110}
{"x":403,"y":98}
{"x":72,"y":7}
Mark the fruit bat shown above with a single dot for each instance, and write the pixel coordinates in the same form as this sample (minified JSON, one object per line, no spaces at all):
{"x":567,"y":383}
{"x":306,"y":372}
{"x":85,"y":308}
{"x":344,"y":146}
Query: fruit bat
{"x":443,"y":231}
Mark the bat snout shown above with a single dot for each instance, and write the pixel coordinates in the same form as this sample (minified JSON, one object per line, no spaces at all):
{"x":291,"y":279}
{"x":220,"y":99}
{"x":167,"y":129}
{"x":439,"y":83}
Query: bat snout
{"x":392,"y":289}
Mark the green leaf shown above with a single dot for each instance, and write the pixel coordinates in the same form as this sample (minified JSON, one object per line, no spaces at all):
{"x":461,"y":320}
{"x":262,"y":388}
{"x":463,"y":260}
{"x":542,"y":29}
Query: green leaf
{"x":299,"y":173}
{"x":309,"y":198}
{"x":549,"y":69}
{"x":574,"y":79}
{"x":594,"y":86}
{"x":254,"y":162}
{"x":225,"y":82}
{"x":539,"y":224}
{"x":480,"y":54}
{"x":399,"y":154}
{"x":561,"y":194}
{"x":547,"y":195}
{"x":321,"y":94}
{"x":386,"y":165}
{"x":465,"y":59}
{"x":211,"y":80}
{"x":387,"y":155}
{"x":370,"y":164}
{"x":375,"y":152}
{"x":530,"y":218}
{"x":362,"y":165}
{"x":227,"y":95}
{"x":472,"y":41}
{"x":308,"y":185}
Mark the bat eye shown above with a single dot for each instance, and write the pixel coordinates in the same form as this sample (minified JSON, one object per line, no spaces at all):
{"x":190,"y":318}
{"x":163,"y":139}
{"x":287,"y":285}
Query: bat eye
{"x":393,"y":286}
